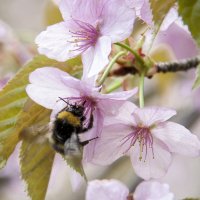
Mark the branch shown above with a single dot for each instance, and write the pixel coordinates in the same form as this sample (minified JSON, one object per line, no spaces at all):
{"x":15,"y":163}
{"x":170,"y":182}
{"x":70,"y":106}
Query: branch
{"x":165,"y":67}
{"x":182,"y":65}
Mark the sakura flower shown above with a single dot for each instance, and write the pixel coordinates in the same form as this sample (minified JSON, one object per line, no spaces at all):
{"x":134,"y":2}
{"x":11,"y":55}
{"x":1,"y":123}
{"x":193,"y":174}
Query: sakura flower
{"x":145,"y":135}
{"x":115,"y":190}
{"x":173,"y":33}
{"x":106,"y":190}
{"x":176,"y":37}
{"x":55,"y":89}
{"x":153,"y":190}
{"x":89,"y":28}
{"x":144,"y":12}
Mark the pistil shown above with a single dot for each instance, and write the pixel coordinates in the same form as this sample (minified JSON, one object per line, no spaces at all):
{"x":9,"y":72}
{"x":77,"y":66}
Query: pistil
{"x":143,"y":136}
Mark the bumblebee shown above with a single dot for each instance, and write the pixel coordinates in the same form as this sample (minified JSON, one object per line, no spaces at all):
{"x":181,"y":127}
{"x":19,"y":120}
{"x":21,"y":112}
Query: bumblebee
{"x":66,"y":129}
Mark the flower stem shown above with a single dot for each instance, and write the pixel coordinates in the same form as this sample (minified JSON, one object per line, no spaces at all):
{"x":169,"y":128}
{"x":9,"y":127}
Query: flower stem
{"x":141,"y":91}
{"x":109,"y":67}
{"x":114,"y":86}
{"x":137,"y":56}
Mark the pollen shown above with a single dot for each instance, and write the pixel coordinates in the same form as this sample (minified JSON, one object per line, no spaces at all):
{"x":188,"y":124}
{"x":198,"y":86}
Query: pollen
{"x":143,"y":137}
{"x":70,"y":118}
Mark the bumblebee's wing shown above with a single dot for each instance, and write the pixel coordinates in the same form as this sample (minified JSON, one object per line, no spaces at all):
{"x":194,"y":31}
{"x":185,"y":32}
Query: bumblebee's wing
{"x":35,"y":132}
{"x":72,"y":146}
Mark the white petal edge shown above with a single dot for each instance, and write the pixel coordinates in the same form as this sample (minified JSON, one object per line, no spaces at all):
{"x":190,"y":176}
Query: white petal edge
{"x":47,"y":86}
{"x":106,"y":190}
{"x":151,"y":167}
{"x":153,"y":190}
{"x":55,"y":43}
{"x":118,"y":19}
{"x":152,"y":115}
{"x":178,"y":139}
{"x":96,"y":58}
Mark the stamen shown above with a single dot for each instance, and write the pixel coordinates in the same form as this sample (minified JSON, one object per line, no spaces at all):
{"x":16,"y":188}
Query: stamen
{"x":144,"y":138}
{"x":84,"y":37}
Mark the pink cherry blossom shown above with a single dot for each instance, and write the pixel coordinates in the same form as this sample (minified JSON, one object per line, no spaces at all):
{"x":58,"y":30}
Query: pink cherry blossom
{"x":106,"y":190}
{"x":53,"y":89}
{"x":173,"y":33}
{"x":115,"y":190}
{"x":153,"y":190}
{"x":176,"y":37}
{"x":89,"y":28}
{"x":145,"y":135}
{"x":144,"y":12}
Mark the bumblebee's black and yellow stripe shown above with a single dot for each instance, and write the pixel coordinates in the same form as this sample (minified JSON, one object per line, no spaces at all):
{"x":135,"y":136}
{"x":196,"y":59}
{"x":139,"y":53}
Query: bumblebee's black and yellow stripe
{"x":69,"y":121}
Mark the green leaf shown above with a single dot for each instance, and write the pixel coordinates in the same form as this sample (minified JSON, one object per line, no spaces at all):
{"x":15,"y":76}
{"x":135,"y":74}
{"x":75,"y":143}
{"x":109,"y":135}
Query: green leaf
{"x":75,"y":163}
{"x":36,"y":161}
{"x":190,"y":13}
{"x":160,"y":8}
{"x":52,"y":13}
{"x":22,"y":119}
{"x":197,"y":79}
{"x":14,"y":117}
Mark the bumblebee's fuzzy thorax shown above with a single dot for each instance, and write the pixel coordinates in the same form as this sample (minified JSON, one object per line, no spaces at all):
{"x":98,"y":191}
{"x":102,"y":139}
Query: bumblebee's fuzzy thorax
{"x":70,"y":117}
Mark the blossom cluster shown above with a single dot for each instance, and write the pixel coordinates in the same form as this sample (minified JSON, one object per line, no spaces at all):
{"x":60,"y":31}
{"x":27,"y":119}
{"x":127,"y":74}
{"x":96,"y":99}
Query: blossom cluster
{"x":119,"y":127}
{"x":113,"y":189}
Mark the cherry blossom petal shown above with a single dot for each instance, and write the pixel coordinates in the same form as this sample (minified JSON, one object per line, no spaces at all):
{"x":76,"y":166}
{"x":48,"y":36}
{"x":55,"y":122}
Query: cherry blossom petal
{"x":124,"y":95}
{"x":106,"y":190}
{"x":123,"y":112}
{"x":71,"y":82}
{"x":109,"y":106}
{"x":113,"y":108}
{"x":92,"y":134}
{"x":76,"y":179}
{"x":152,"y":190}
{"x":46,"y":86}
{"x":152,"y":115}
{"x":118,"y":25}
{"x":137,"y":4}
{"x":88,"y":11}
{"x":146,"y":14}
{"x":66,"y":7}
{"x":56,"y":42}
{"x":96,"y":58}
{"x":152,"y":166}
{"x":177,"y":38}
{"x":109,"y":147}
{"x":45,"y":97}
{"x":178,"y":139}
{"x":49,"y":77}
{"x":169,"y":19}
{"x":90,"y":80}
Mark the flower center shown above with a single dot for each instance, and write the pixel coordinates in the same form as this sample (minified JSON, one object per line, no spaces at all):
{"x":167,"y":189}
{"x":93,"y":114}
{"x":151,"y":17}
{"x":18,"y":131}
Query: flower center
{"x":88,"y":107}
{"x":143,"y":136}
{"x":85,"y":35}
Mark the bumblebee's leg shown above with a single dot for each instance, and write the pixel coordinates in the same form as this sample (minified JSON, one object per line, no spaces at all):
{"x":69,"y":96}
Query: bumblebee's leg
{"x":87,"y":141}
